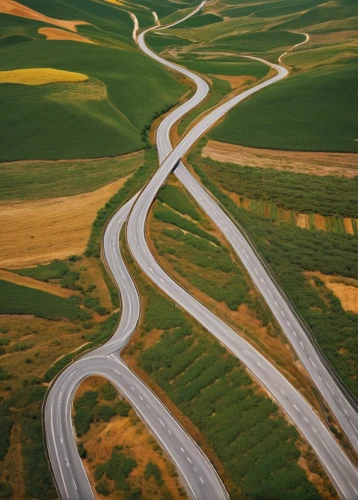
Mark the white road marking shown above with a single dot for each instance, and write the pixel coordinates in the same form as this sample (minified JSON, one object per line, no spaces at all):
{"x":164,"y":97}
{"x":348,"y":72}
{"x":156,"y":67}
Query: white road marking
{"x":302,"y":345}
{"x":148,"y":406}
{"x":169,"y":432}
{"x":312,"y":362}
{"x":189,"y":460}
{"x":282,"y":392}
{"x":294,"y":333}
{"x":201,"y":480}
{"x":182,"y":449}
{"x":161,"y":421}
{"x":141,"y":398}
{"x":296,"y":408}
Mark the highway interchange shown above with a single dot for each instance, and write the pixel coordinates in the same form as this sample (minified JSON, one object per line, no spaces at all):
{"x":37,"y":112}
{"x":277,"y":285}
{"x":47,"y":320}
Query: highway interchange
{"x":197,"y":473}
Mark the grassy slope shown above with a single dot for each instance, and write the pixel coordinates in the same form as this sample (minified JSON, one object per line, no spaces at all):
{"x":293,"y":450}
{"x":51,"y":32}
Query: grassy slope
{"x":313,"y":110}
{"x":103,"y":117}
{"x":309,"y":111}
{"x":36,"y":180}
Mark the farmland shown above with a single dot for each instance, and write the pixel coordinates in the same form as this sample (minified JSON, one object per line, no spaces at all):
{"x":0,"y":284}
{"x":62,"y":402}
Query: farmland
{"x":94,"y":118}
{"x":122,"y":456}
{"x":291,"y":252}
{"x":187,"y":367}
{"x":201,"y":261}
{"x":297,"y":113}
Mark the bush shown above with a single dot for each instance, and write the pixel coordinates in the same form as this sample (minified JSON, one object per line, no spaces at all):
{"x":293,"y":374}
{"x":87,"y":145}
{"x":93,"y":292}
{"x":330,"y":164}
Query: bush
{"x":104,"y":412}
{"x":117,"y":469}
{"x":103,"y":488}
{"x":4,"y":374}
{"x":6,"y":490}
{"x":108,"y":391}
{"x":152,"y":470}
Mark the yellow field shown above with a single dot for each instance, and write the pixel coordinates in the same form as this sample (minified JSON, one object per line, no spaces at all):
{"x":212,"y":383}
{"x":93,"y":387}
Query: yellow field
{"x":40,"y":76}
{"x":59,"y":34}
{"x":36,"y":232}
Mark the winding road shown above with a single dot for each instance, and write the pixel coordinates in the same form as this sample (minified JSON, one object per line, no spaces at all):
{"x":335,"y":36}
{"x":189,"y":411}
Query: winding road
{"x":197,"y":473}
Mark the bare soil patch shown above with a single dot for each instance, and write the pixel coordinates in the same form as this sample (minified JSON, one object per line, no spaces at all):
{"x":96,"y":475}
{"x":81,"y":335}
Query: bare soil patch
{"x":59,"y":34}
{"x":39,"y":231}
{"x":237,"y":82}
{"x":346,"y":289}
{"x":340,"y":164}
{"x":14,"y":8}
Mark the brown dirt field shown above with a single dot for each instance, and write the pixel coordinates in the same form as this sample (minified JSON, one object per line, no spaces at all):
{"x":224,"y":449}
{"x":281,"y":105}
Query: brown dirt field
{"x":237,"y":82}
{"x":129,"y":432}
{"x":346,"y":289}
{"x":14,"y":8}
{"x":39,"y":231}
{"x":340,"y":164}
{"x":59,"y":34}
{"x":32,"y":283}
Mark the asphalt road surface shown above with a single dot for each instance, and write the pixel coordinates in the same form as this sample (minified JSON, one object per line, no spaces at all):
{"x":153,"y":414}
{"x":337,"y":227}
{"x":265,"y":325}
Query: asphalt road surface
{"x":341,"y":471}
{"x":197,"y":473}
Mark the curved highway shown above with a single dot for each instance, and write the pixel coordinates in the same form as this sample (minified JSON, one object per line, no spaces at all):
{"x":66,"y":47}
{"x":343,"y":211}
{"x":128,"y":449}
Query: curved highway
{"x":197,"y":473}
{"x":341,"y":471}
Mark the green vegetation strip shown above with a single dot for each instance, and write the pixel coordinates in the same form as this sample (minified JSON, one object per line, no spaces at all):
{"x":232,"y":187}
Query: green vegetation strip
{"x":290,"y":251}
{"x":17,"y":299}
{"x":330,"y":196}
{"x":129,"y":189}
{"x":256,"y":446}
{"x":36,"y":180}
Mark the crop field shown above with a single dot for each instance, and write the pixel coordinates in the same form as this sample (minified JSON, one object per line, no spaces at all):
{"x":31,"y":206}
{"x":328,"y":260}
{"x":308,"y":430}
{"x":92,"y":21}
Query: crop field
{"x":40,"y":76}
{"x":291,"y":252}
{"x":239,"y":425}
{"x":31,"y":180}
{"x":103,"y":116}
{"x":119,"y":451}
{"x":200,"y":260}
{"x":312,"y":110}
{"x":300,"y":192}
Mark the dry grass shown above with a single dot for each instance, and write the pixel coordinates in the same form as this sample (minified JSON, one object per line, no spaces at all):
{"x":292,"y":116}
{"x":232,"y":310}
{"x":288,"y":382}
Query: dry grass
{"x":138,"y":442}
{"x":40,"y":76}
{"x":320,"y":222}
{"x":237,"y":82}
{"x":39,"y":231}
{"x":32,"y":283}
{"x":59,"y":34}
{"x":341,"y":164}
{"x":14,"y":8}
{"x":346,"y":289}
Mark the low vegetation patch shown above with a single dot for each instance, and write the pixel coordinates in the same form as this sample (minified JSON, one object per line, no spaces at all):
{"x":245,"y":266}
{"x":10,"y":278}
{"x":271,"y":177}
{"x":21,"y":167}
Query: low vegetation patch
{"x":120,"y":453}
{"x":291,"y":251}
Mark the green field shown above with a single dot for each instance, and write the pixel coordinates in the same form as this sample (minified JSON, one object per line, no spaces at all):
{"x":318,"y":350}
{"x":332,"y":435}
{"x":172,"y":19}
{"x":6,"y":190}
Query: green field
{"x":35,"y":180}
{"x":290,"y":251}
{"x":238,"y":67}
{"x":104,"y":116}
{"x":210,"y":386}
{"x":17,"y":299}
{"x":311,"y":111}
{"x":160,"y":42}
{"x":331,"y":196}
